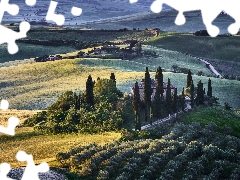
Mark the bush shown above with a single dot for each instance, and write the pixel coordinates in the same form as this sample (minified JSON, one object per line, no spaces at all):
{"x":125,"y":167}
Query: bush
{"x":35,"y":119}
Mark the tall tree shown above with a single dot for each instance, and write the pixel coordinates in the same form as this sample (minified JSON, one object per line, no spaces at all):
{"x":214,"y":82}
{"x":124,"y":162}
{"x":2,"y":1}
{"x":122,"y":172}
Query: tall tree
{"x":174,"y":101}
{"x":136,"y":107}
{"x":159,"y":93}
{"x":209,"y":92}
{"x":192,"y":94}
{"x":189,"y":78}
{"x":159,"y":79}
{"x":169,"y":98}
{"x":147,"y":94}
{"x":183,"y":100}
{"x":112,"y":77}
{"x":89,"y":97}
{"x":200,"y":92}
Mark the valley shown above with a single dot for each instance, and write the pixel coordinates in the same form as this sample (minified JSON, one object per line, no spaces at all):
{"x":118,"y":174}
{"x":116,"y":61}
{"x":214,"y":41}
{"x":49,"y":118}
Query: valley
{"x":80,"y":113}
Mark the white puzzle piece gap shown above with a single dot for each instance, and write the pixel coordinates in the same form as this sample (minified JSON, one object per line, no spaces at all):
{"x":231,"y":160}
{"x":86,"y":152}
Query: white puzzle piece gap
{"x":76,"y":11}
{"x":4,"y":104}
{"x":10,"y":130}
{"x":133,"y":1}
{"x":9,"y":36}
{"x":51,"y":16}
{"x":30,"y":2}
{"x":12,"y":9}
{"x":4,"y":170}
{"x":209,"y":10}
{"x":31,"y":170}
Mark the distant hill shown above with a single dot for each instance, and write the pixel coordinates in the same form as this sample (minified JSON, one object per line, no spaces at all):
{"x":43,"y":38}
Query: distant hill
{"x":92,"y":10}
{"x":164,"y":21}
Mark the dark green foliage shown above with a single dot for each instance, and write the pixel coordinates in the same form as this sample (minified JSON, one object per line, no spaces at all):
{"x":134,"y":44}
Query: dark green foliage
{"x":147,"y":93}
{"x":183,"y":100}
{"x":105,"y":90}
{"x":192,"y":95}
{"x":64,"y":102}
{"x":159,"y":79}
{"x":169,"y":98}
{"x":174,"y":101}
{"x":189,"y":79}
{"x":112,"y":77}
{"x":35,"y":119}
{"x":89,"y":97}
{"x":209,"y":92}
{"x":136,"y":107}
{"x":200,"y":92}
{"x":227,"y":106}
{"x":71,"y":113}
{"x":179,"y":151}
{"x":157,"y":103}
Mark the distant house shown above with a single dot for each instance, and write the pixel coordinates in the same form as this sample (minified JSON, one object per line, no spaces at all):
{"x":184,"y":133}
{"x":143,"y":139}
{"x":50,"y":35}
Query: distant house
{"x":153,"y":87}
{"x":110,"y":48}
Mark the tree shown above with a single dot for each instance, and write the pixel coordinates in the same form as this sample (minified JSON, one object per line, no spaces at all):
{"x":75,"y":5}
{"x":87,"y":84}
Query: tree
{"x":136,"y":107}
{"x":112,"y":77}
{"x":183,"y":100}
{"x":89,"y":97}
{"x":138,"y":48}
{"x":168,"y":98}
{"x":105,"y":90}
{"x":147,"y":93}
{"x":159,"y":93}
{"x":200,"y":92}
{"x":159,"y":79}
{"x":209,"y":92}
{"x":174,"y":101}
{"x":192,"y":94}
{"x":189,"y":79}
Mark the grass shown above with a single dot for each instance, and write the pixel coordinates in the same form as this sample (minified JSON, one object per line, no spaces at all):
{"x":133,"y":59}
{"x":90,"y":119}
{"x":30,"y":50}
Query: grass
{"x":37,"y":85}
{"x":27,"y":51}
{"x":22,"y":115}
{"x":217,"y":115}
{"x":45,"y":147}
{"x":224,"y":48}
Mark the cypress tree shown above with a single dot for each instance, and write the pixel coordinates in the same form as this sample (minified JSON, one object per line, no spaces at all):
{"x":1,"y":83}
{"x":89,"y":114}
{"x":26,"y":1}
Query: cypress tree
{"x":159,"y":79}
{"x":192,"y":94}
{"x":189,"y":79}
{"x":147,"y":93}
{"x":174,"y":101}
{"x":112,"y":77}
{"x":183,"y":100}
{"x":89,"y":98}
{"x":209,"y":92}
{"x":136,"y":107}
{"x":159,"y":93}
{"x":168,"y":98}
{"x":200,"y":92}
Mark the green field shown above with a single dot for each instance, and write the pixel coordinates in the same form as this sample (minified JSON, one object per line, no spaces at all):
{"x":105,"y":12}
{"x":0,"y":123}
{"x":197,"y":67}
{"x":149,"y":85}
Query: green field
{"x":27,"y":51}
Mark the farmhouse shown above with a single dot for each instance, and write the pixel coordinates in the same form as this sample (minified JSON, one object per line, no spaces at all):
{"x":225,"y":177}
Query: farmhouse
{"x":153,"y":87}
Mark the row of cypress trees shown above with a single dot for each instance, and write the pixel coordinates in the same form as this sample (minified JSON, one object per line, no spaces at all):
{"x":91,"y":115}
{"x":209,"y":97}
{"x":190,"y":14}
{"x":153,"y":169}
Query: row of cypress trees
{"x":172,"y":102}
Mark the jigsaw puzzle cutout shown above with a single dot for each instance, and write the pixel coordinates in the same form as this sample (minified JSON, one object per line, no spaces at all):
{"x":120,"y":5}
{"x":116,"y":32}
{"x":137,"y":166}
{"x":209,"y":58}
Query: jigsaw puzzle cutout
{"x":58,"y":18}
{"x":31,"y":170}
{"x":9,"y":36}
{"x":4,"y":170}
{"x":12,"y":121}
{"x":210,"y":10}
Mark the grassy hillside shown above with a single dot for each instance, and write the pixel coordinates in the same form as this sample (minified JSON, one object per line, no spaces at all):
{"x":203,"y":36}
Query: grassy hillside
{"x":37,"y":85}
{"x":45,"y":147}
{"x":221,"y":52}
{"x":27,"y":51}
